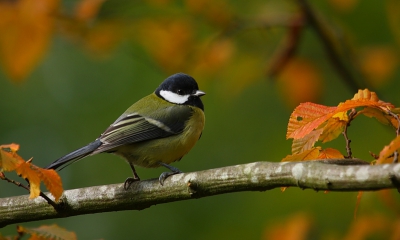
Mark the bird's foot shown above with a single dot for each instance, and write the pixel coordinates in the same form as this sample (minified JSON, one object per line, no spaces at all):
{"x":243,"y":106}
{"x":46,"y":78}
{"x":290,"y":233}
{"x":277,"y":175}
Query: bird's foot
{"x":128,"y":182}
{"x":165,"y":175}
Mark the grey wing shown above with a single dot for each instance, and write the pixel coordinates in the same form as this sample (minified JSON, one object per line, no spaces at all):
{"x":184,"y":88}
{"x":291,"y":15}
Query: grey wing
{"x":132,"y":128}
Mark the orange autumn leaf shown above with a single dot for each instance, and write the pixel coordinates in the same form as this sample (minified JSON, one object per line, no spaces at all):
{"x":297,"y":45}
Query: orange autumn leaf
{"x":364,"y":98}
{"x":36,"y":174}
{"x":28,"y":171}
{"x":25,"y":32}
{"x":47,"y":232}
{"x":333,"y":127}
{"x":387,"y":151}
{"x":310,"y":154}
{"x":9,"y":159}
{"x":305,"y":143}
{"x":381,"y":116}
{"x":52,"y":181}
{"x":13,"y":147}
{"x":366,"y":95}
{"x":330,"y":153}
{"x":307,"y":117}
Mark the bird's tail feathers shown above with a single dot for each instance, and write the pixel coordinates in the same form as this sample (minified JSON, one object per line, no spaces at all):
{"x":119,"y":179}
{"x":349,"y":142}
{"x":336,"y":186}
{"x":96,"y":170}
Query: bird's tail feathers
{"x":75,"y":155}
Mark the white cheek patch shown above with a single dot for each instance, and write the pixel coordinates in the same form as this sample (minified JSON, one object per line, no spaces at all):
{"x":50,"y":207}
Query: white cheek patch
{"x":173,"y":97}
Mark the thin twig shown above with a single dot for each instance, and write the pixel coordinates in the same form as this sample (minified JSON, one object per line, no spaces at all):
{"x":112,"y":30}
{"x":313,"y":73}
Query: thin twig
{"x":352,"y":115}
{"x":3,"y":177}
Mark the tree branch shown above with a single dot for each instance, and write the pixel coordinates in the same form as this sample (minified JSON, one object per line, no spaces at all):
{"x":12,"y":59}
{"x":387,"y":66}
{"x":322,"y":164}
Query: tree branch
{"x":258,"y":176}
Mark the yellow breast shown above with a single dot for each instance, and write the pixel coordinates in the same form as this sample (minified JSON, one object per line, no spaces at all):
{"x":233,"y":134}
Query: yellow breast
{"x":167,"y":150}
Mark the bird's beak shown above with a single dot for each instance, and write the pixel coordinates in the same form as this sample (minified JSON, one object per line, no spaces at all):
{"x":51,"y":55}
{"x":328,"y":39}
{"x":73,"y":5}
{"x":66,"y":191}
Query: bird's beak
{"x":199,"y":93}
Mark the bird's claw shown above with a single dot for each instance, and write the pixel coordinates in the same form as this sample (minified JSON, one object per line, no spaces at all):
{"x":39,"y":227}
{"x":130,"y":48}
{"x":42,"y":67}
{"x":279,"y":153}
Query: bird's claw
{"x":165,"y":175}
{"x":128,"y":182}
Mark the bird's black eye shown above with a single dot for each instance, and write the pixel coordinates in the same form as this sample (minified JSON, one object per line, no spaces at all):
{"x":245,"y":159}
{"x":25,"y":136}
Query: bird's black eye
{"x":180,"y":91}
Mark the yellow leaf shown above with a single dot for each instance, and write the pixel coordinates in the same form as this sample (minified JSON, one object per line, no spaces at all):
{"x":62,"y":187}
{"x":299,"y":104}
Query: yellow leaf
{"x":310,"y":154}
{"x":341,"y":116}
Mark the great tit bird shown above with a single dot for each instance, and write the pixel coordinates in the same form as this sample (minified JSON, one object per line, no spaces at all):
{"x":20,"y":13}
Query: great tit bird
{"x":155,"y":131}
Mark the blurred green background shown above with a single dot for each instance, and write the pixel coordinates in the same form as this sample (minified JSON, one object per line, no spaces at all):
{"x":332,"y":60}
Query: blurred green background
{"x":103,"y":56}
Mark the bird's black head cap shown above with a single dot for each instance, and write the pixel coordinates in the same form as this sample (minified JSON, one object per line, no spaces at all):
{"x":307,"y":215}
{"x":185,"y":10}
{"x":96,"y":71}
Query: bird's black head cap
{"x":181,"y":88}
